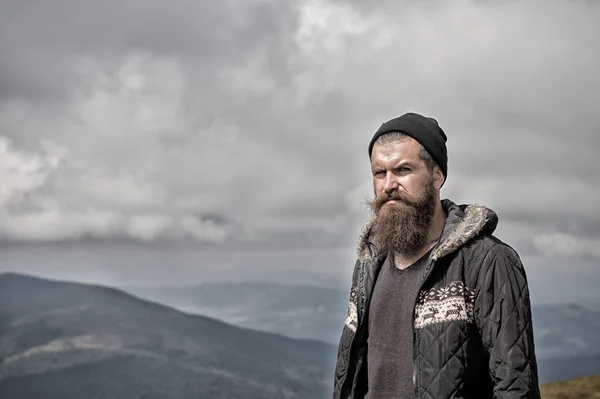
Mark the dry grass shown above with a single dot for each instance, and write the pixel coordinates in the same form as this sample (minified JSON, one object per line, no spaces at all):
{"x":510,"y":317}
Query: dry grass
{"x":580,"y":388}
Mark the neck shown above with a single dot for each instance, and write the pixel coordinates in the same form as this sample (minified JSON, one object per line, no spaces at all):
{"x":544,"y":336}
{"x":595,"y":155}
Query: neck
{"x":437,"y":226}
{"x":435,"y":231}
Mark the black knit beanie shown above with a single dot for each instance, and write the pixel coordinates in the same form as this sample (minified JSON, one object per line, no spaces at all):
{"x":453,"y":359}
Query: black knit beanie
{"x":423,"y":129}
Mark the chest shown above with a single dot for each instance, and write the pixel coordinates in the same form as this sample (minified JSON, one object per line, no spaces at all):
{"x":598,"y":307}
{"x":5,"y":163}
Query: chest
{"x":424,"y":295}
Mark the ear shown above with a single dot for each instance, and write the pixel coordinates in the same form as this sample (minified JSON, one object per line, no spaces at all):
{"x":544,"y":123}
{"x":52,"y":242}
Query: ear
{"x":438,"y":178}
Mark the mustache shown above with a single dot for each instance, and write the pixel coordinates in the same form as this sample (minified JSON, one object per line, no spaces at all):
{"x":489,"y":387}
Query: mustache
{"x":385,"y":196}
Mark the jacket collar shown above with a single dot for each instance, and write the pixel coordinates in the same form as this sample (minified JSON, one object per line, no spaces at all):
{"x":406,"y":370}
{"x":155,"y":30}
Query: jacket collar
{"x":463,"y":223}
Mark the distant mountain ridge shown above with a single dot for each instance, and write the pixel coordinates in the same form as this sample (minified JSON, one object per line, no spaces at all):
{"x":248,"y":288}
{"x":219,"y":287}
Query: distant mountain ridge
{"x":303,"y":311}
{"x":67,"y":339}
{"x":567,"y":335}
{"x":70,"y":340}
{"x":299,"y":311}
{"x":566,"y":330}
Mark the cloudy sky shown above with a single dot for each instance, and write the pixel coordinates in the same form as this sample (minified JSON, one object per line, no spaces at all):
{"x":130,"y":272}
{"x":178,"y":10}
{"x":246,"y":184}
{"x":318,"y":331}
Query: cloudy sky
{"x":173,"y":142}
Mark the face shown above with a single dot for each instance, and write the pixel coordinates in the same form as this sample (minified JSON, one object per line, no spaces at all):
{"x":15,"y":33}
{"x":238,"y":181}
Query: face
{"x":398,"y":170}
{"x":406,"y":194}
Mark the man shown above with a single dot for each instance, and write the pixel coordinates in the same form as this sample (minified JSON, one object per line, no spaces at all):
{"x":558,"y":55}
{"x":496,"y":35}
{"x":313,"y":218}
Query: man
{"x":439,"y":307}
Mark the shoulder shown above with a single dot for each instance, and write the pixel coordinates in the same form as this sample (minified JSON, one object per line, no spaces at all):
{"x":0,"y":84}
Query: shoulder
{"x":488,"y":255}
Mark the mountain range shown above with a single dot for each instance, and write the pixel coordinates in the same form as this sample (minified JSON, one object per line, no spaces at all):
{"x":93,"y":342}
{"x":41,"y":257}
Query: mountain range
{"x":299,"y":311}
{"x":70,"y":341}
{"x":304,"y":311}
{"x":567,"y":336}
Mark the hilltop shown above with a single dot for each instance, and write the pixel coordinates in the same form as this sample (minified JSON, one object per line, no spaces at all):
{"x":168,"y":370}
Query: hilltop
{"x":70,"y":340}
{"x":580,"y":388}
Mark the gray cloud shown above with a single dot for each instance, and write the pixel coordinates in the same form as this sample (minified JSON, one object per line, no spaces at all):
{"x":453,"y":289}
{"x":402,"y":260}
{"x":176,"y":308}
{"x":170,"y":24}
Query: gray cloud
{"x":42,"y":40}
{"x":239,"y":124}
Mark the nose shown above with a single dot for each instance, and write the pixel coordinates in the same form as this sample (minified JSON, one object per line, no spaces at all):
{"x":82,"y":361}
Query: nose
{"x":389,"y":183}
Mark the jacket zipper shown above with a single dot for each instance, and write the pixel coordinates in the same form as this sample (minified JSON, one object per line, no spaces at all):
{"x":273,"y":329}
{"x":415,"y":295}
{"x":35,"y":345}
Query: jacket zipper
{"x":415,"y":344}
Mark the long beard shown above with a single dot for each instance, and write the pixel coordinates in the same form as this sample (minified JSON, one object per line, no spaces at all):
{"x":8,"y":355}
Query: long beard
{"x":402,"y":227}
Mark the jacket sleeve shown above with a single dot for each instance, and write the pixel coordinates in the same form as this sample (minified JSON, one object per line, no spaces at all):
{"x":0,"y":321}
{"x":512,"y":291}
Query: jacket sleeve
{"x":503,"y":313}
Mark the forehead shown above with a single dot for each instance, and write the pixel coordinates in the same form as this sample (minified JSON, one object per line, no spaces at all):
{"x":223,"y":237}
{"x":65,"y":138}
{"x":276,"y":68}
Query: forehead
{"x":407,"y":149}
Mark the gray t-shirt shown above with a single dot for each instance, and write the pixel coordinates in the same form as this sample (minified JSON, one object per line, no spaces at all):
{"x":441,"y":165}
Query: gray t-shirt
{"x":390,"y":343}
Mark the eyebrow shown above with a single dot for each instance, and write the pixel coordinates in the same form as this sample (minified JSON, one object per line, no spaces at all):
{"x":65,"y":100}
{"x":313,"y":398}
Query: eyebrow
{"x":403,"y":164}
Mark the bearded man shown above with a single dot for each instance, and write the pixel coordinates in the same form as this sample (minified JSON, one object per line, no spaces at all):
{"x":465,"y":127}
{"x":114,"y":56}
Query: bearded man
{"x":439,"y":307}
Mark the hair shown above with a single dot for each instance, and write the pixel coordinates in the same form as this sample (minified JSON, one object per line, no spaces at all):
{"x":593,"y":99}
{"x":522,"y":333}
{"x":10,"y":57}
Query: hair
{"x":394,"y":137}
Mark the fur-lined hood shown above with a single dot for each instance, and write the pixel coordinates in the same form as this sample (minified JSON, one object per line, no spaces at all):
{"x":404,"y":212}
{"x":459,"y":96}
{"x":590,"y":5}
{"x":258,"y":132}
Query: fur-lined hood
{"x":464,"y":222}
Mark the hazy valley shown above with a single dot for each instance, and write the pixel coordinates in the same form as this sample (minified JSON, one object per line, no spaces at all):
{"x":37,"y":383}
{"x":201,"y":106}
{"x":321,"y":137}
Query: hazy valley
{"x":299,"y":311}
{"x":567,"y":335}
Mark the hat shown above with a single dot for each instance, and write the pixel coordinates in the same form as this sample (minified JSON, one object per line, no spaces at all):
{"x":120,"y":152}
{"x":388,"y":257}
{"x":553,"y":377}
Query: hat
{"x":423,"y":129}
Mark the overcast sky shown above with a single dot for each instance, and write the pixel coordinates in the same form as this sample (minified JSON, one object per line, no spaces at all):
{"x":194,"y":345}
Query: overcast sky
{"x":147,"y":141}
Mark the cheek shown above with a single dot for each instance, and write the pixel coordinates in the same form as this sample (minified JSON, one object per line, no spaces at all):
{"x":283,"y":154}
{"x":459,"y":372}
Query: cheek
{"x":410,"y":186}
{"x":377,"y":185}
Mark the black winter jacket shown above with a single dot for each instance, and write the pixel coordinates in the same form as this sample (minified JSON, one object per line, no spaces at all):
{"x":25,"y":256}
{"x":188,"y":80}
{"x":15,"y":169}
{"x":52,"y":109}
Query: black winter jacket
{"x":473,"y":336}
